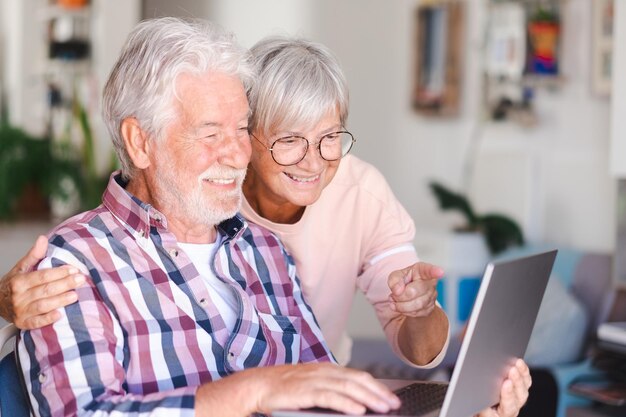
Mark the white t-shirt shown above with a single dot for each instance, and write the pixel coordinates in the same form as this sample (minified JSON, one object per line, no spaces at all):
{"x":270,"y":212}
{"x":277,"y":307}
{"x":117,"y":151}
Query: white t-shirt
{"x":221,"y":294}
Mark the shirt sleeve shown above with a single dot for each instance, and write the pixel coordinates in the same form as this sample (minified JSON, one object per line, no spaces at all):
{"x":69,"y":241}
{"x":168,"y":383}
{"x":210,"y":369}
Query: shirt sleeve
{"x":76,"y":365}
{"x":390,"y":248}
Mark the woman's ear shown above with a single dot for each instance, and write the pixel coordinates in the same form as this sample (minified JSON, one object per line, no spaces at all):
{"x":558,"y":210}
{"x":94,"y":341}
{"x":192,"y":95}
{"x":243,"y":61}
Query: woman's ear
{"x":137,"y":142}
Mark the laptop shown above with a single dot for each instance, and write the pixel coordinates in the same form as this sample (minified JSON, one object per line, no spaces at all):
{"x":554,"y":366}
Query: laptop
{"x":497,"y":333}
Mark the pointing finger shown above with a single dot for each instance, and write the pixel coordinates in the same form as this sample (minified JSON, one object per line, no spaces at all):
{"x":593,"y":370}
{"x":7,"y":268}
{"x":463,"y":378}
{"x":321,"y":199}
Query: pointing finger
{"x":426,"y":271}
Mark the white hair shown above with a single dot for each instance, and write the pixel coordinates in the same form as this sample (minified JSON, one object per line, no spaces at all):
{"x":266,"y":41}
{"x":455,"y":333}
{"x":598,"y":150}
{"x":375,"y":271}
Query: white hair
{"x":299,"y":83}
{"x":142,"y":83}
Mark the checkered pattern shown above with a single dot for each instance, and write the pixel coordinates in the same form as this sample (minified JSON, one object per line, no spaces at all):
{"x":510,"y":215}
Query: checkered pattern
{"x":145,"y":333}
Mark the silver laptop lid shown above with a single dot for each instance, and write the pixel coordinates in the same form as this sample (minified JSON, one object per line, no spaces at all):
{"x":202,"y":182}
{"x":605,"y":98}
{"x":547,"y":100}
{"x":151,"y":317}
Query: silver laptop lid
{"x":498,"y":331}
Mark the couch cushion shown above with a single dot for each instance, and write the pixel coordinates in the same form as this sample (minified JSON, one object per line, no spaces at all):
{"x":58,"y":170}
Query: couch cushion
{"x":592,"y":285}
{"x":559,"y":333}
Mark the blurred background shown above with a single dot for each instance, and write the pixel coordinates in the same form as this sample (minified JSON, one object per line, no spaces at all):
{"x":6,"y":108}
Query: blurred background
{"x":516,"y":106}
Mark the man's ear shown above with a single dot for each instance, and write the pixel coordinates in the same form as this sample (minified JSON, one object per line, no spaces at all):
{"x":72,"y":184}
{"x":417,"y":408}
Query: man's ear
{"x":137,"y":142}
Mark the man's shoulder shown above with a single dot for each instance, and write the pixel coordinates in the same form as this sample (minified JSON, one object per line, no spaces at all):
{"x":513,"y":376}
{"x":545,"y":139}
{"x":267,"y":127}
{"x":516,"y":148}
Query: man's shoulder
{"x":79,"y":222}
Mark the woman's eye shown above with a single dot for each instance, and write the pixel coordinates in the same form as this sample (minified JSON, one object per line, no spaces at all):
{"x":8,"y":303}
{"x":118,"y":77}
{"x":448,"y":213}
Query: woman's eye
{"x":288,"y":141}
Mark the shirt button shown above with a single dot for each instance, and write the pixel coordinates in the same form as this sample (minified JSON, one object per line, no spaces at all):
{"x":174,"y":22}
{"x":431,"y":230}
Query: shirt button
{"x":174,"y":253}
{"x":231,"y":355}
{"x":203,"y":301}
{"x":42,"y":378}
{"x":142,"y":233}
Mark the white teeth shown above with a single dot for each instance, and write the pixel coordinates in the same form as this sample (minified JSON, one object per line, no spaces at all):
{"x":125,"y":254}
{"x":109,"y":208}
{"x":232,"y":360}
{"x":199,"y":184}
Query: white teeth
{"x":303,"y":179}
{"x":220,"y":181}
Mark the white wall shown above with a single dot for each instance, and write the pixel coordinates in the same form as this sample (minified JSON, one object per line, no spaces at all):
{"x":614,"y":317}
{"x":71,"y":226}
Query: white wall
{"x":180,"y":8}
{"x":618,"y":139}
{"x":556,"y":179}
{"x":553,"y":178}
{"x":22,"y":83}
{"x":251,"y":20}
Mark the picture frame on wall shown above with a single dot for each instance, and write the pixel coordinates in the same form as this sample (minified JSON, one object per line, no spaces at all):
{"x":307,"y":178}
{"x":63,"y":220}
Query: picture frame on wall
{"x":438,"y":60}
{"x":602,"y":45}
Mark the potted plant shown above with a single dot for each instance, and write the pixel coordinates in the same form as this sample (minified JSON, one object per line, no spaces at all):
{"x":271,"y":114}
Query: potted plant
{"x":468,"y":251}
{"x":35,"y":171}
{"x":500,"y":231}
{"x":35,"y":167}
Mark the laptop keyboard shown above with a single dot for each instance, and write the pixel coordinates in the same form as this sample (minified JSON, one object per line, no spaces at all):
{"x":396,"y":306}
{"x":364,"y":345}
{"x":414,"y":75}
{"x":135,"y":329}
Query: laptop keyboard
{"x":419,"y":398}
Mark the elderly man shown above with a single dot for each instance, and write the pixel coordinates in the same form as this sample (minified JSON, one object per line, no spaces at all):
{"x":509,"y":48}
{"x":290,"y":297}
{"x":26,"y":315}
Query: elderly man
{"x":184,"y":297}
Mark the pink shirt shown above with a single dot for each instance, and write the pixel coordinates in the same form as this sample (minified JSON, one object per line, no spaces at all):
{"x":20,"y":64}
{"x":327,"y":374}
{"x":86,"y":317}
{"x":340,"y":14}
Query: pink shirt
{"x":352,"y":238}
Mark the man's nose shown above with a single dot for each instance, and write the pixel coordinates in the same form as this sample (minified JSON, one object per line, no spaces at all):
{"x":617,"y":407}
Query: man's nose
{"x":236,"y":150}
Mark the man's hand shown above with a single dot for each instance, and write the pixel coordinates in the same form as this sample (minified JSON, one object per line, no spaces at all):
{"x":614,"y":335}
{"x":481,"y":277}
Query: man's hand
{"x":324,"y":385}
{"x":31,"y":299}
{"x":414,"y":289}
{"x":290,"y":387}
{"x":513,"y":394}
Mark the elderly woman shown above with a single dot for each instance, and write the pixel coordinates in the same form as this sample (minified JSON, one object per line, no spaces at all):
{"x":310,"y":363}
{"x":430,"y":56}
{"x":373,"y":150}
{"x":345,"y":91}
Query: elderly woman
{"x":335,"y":214}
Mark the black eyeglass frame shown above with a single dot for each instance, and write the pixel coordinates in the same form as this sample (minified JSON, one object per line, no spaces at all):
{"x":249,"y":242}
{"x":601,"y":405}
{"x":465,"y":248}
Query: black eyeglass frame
{"x":308,"y":143}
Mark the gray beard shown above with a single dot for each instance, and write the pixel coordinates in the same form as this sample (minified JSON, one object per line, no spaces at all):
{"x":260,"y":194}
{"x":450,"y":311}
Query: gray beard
{"x":195,"y":207}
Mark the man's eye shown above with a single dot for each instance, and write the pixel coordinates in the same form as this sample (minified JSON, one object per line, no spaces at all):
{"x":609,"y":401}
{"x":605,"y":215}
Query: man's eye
{"x":211,"y":137}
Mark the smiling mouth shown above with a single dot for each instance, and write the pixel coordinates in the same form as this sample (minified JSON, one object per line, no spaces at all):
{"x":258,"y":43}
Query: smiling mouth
{"x":303,"y":179}
{"x":220,"y":181}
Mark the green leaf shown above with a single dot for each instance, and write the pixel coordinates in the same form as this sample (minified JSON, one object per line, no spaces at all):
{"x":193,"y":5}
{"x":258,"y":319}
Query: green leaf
{"x":89,"y":157}
{"x":500,"y":232}
{"x":449,"y":200}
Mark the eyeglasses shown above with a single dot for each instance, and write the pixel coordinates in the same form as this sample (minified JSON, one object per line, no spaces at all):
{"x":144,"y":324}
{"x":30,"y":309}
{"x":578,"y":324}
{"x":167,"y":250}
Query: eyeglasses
{"x":290,"y":150}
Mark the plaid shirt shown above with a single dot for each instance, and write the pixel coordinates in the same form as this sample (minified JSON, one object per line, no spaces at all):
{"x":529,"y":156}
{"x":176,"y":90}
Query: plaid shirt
{"x":144,"y":333}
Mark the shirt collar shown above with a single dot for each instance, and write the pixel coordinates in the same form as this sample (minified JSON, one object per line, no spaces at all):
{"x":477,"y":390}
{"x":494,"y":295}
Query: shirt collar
{"x":140,"y":216}
{"x":233,"y":227}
